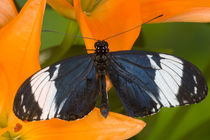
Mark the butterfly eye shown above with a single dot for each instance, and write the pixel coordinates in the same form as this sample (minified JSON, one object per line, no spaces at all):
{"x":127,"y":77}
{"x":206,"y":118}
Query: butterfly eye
{"x":97,"y":44}
{"x":106,"y":44}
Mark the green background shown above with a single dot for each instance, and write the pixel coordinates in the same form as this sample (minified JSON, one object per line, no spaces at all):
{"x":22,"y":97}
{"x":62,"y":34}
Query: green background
{"x":190,"y":41}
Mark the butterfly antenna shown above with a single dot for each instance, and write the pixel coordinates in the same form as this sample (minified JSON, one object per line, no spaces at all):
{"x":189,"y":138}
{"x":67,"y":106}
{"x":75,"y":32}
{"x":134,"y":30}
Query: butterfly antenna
{"x":51,"y":31}
{"x":133,"y":28}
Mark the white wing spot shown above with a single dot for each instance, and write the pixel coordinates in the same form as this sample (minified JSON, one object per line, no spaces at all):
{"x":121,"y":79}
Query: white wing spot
{"x":158,"y":106}
{"x":195,"y":90}
{"x":195,"y":79}
{"x":153,"y":110}
{"x":35,"y":117}
{"x":24,"y":108}
{"x":185,"y":101}
{"x":21,"y":99}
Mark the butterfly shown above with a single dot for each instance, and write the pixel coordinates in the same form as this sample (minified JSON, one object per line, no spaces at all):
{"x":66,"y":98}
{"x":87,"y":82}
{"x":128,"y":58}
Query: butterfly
{"x":144,"y":81}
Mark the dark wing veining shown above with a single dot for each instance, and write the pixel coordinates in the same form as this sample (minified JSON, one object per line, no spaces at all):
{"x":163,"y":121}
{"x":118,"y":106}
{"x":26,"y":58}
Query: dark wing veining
{"x":147,"y":81}
{"x":67,"y":90}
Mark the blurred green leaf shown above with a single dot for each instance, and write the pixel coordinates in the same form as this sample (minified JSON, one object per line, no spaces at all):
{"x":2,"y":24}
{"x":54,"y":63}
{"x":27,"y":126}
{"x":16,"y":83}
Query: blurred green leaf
{"x":62,"y":51}
{"x":201,"y":132}
{"x":207,"y":71}
{"x":19,"y":4}
{"x":53,"y":21}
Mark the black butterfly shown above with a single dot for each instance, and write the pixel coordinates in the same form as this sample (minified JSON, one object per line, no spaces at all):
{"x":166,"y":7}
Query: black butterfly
{"x":144,"y":81}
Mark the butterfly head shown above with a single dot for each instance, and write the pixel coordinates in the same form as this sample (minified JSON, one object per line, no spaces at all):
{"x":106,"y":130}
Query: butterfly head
{"x":101,"y":47}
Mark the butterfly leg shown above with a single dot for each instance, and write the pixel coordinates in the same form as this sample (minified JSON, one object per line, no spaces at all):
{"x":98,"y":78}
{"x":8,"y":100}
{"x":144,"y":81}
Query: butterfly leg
{"x":104,"y":107}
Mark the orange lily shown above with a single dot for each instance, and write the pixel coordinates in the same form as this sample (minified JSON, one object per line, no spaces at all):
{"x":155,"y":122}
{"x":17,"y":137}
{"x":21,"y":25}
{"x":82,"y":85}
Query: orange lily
{"x":111,"y":17}
{"x":7,"y":11}
{"x":19,"y":58}
{"x":108,"y":20}
{"x":176,"y":10}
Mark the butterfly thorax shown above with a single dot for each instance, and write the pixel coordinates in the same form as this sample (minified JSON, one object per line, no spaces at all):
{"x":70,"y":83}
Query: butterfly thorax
{"x":101,"y":53}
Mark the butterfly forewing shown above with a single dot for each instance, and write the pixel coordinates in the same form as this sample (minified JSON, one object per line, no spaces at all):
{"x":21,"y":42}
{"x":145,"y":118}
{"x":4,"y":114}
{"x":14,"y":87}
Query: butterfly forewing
{"x":67,"y":90}
{"x":147,"y":81}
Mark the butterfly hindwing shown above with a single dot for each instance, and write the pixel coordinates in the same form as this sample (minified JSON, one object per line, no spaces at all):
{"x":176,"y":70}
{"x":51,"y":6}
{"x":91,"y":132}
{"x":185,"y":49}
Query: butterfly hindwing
{"x":67,"y":90}
{"x":147,"y":81}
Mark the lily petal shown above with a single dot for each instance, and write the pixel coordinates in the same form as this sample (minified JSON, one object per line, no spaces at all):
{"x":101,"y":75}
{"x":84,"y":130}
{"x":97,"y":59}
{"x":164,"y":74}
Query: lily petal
{"x":19,"y":45}
{"x":93,"y":126}
{"x":195,"y":15}
{"x":63,"y":7}
{"x":7,"y":11}
{"x":108,"y":19}
{"x":176,"y":10}
{"x":3,"y":99}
